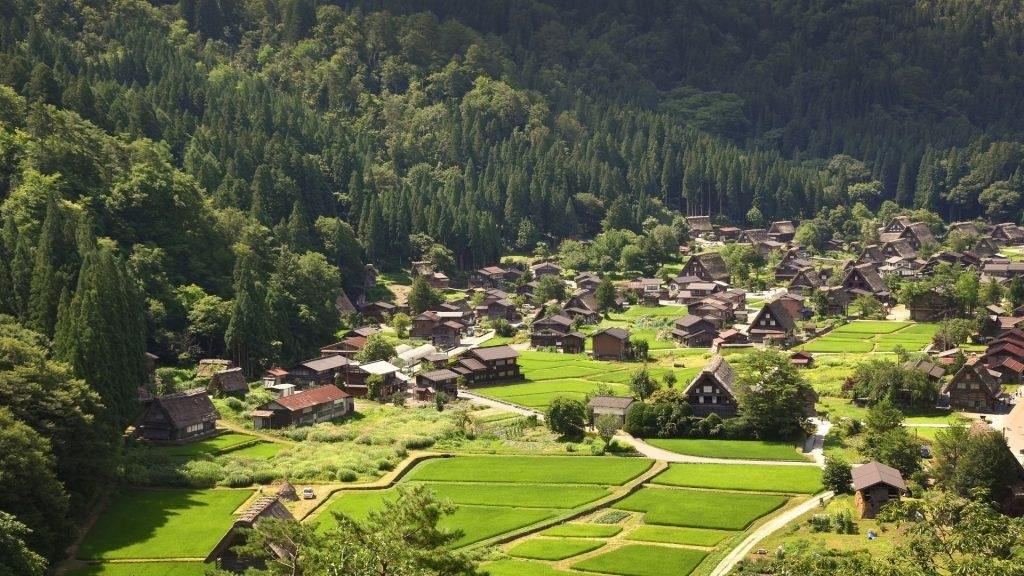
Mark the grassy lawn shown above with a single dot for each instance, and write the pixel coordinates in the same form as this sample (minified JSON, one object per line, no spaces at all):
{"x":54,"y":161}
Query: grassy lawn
{"x":681,"y":507}
{"x":531,"y":469}
{"x":553,"y":548}
{"x":162,"y":524}
{"x":143,"y":569}
{"x":736,"y":449}
{"x":260,"y":450}
{"x":788,"y":479}
{"x":522,"y":568}
{"x":685,"y":536}
{"x":209,"y":446}
{"x":634,"y":313}
{"x":640,"y":560}
{"x":841,"y":408}
{"x":573,"y":530}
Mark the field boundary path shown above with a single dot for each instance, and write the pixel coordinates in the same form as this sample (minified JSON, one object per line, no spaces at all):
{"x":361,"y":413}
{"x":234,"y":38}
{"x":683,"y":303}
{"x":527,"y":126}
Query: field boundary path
{"x":765,"y":530}
{"x":486,"y":401}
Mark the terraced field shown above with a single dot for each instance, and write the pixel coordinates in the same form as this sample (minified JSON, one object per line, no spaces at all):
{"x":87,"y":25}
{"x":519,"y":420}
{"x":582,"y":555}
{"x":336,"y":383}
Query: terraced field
{"x":733,"y":449}
{"x":499,"y":494}
{"x":864,"y":336}
{"x":784,"y":479}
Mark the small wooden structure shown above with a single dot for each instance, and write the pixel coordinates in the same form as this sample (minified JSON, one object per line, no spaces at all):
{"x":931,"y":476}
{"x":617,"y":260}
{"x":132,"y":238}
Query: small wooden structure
{"x":876,"y":484}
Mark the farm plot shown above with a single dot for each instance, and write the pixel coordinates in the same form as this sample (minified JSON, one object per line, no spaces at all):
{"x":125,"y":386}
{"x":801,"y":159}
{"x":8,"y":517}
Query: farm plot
{"x":641,"y":560}
{"x":733,"y":449}
{"x":162,"y":524}
{"x":523,"y":568}
{"x":553,"y":548}
{"x":785,"y":479}
{"x":209,"y":446}
{"x":258,"y":451}
{"x":873,"y":336}
{"x":700,"y":509}
{"x":531,"y":469}
{"x":538,"y":395}
{"x":494,"y":494}
{"x":574,"y":530}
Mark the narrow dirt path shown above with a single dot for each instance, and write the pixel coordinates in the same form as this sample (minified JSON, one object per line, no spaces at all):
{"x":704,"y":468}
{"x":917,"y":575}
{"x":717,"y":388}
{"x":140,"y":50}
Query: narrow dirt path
{"x":667,"y":456}
{"x":765,"y":530}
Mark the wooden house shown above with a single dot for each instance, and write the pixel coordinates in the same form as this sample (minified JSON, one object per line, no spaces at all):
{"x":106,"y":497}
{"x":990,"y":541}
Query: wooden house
{"x":782,"y":231}
{"x":379,"y":311}
{"x":223,"y":555}
{"x":356,"y":376}
{"x":230,"y":382}
{"x":974,"y":388}
{"x":700,"y":226}
{"x":900,"y":248}
{"x":208,"y":366}
{"x":805,"y":281}
{"x":318,"y":371}
{"x":931,"y":306}
{"x":615,"y":406}
{"x":587,"y":281}
{"x":802,"y":359}
{"x":790,"y":266}
{"x":611,"y":343}
{"x":967,"y":228}
{"x":929,"y":369}
{"x":773,"y":323}
{"x":488,"y":364}
{"x":499,"y":308}
{"x":917,"y":234}
{"x":864,"y":279}
{"x":574,"y":343}
{"x":488,"y":277}
{"x":694,"y":331}
{"x":542,"y":269}
{"x":707,"y":266}
{"x":893,"y":229}
{"x":555,"y":323}
{"x":180,"y":417}
{"x":727,"y":233}
{"x":753,"y":236}
{"x":719,"y":312}
{"x":875,"y":485}
{"x":1007,"y":234}
{"x":348,"y":347}
{"x":318,"y":404}
{"x":430,"y":383}
{"x":711,"y":390}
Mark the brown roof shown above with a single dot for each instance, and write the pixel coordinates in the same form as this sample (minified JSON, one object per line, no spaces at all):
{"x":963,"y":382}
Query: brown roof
{"x":621,"y":402}
{"x":438,"y":375}
{"x":309,"y":398}
{"x":228,"y":381}
{"x":713,"y":263}
{"x":265,"y":507}
{"x":327,"y":363}
{"x":186,"y":408}
{"x":930,"y":369}
{"x":782,"y":227}
{"x":614,"y":332}
{"x":875,"y":473}
{"x":487,"y":353}
{"x":699,"y":223}
{"x":719,"y":369}
{"x":473,"y":364}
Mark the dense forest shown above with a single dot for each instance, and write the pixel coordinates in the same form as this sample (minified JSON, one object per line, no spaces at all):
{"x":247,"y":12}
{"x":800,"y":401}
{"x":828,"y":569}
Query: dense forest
{"x":202,"y":177}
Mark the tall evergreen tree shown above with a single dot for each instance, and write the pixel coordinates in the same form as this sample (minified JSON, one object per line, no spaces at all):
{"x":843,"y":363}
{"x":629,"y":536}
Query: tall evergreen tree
{"x":102,"y":333}
{"x":248,"y":334}
{"x":46,"y":285}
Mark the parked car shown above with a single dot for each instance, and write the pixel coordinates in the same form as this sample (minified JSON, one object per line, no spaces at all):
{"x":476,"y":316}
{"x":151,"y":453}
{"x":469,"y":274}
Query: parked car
{"x":308,"y":494}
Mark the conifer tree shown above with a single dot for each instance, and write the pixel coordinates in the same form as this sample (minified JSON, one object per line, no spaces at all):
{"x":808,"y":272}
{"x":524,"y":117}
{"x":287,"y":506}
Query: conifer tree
{"x":46,"y":285}
{"x":248,"y":334}
{"x":102,"y":333}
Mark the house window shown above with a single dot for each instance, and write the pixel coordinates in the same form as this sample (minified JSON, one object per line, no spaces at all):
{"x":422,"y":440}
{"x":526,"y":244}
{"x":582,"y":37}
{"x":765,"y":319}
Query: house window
{"x":707,"y":389}
{"x":193,"y":428}
{"x":701,"y":399}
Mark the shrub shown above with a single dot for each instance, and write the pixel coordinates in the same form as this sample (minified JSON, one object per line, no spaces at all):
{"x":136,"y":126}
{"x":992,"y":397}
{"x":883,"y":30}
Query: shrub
{"x":346,"y":475}
{"x":567,"y":416}
{"x":237,"y":479}
{"x":836,"y":476}
{"x":842,"y":523}
{"x":234,"y":404}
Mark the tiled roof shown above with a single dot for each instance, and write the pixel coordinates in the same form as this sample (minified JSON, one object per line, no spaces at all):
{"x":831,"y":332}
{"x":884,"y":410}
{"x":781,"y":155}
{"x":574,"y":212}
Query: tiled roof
{"x":310,"y":398}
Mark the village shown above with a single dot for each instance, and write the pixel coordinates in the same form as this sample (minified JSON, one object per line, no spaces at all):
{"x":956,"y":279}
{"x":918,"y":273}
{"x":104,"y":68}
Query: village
{"x":480,"y":371}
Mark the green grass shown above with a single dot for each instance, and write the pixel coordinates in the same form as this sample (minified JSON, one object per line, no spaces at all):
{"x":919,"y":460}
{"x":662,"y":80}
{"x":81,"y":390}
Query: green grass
{"x":873,"y":335}
{"x":531,"y":469}
{"x":686,"y":536}
{"x":143,"y":569}
{"x":788,"y":479}
{"x":734,"y":449}
{"x":639,"y":560}
{"x":871,"y":327}
{"x":634,"y":313}
{"x":522,"y":568}
{"x":681,"y":507}
{"x":209,"y":446}
{"x":538,"y":395}
{"x":553,"y":548}
{"x":258,"y":451}
{"x":573,"y":530}
{"x":162,"y":524}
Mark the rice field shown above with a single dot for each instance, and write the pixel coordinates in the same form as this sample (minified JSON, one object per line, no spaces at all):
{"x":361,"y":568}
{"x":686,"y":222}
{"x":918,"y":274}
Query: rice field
{"x":785,"y":479}
{"x":553,"y":548}
{"x":733,"y":449}
{"x":643,"y":560}
{"x":864,"y":336}
{"x":700,"y":509}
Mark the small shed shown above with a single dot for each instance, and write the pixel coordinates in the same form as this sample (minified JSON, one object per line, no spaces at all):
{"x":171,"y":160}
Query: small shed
{"x":616,"y":406}
{"x":876,"y":484}
{"x":287,"y":492}
{"x":223,"y":554}
{"x":801,"y":359}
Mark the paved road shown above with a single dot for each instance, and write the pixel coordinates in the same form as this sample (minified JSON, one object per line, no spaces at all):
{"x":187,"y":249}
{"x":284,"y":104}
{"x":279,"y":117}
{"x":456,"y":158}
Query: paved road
{"x":765,"y":530}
